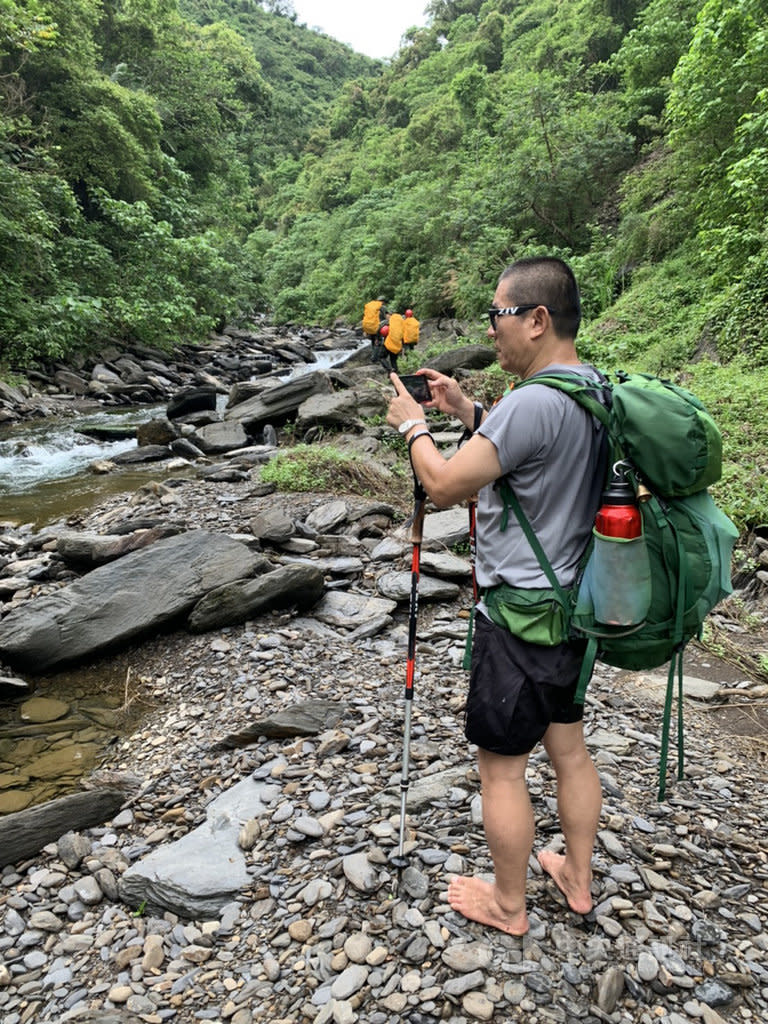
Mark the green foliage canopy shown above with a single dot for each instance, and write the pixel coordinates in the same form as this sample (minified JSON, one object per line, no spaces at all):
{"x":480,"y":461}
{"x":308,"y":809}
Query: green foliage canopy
{"x":166,"y":164}
{"x":133,"y":148}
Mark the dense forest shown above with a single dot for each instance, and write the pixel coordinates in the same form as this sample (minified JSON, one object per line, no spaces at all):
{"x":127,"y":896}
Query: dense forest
{"x":137,"y":143}
{"x":166,"y":165}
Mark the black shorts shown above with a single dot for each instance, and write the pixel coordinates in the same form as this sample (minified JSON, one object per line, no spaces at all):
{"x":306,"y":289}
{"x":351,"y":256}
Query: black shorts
{"x":517,"y":689}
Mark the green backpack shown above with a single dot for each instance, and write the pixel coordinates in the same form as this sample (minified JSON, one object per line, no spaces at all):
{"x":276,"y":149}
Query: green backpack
{"x":671,"y":450}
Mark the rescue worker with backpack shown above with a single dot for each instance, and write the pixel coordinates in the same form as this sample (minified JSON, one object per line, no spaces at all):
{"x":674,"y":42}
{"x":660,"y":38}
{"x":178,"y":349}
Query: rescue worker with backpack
{"x":393,"y":342}
{"x":632,"y":591}
{"x":374,"y":317}
{"x":410,"y":330}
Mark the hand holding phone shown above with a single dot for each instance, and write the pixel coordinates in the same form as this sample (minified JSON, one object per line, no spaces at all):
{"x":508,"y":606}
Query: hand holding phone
{"x":417,"y":386}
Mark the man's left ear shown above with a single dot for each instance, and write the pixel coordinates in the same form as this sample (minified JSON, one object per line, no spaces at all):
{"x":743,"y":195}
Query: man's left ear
{"x":540,"y":320}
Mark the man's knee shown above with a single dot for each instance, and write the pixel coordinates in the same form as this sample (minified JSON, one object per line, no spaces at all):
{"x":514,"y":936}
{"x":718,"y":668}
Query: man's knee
{"x":500,"y":767}
{"x":564,"y":743}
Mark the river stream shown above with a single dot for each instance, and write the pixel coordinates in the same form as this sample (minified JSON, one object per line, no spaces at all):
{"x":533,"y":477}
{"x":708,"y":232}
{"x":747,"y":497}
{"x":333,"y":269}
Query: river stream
{"x":44,"y":472}
{"x":45,"y":478}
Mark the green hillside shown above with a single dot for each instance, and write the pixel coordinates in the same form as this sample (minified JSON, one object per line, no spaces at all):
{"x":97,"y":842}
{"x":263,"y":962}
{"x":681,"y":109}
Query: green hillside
{"x":165,"y":166}
{"x":306,"y":70}
{"x":137,"y":141}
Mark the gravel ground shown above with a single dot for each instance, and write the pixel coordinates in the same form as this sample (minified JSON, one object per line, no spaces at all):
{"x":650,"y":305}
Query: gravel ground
{"x":326,"y":929}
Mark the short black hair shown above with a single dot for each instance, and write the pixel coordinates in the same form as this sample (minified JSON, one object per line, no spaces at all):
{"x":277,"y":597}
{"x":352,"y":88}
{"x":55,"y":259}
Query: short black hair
{"x":548,"y":281}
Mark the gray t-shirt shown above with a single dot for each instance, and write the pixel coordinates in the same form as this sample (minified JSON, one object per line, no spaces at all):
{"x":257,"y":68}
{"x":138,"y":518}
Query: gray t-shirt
{"x":550,"y":449}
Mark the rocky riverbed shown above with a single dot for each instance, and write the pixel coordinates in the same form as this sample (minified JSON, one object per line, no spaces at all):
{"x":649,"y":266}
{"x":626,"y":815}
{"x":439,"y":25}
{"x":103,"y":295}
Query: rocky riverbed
{"x":307,"y":918}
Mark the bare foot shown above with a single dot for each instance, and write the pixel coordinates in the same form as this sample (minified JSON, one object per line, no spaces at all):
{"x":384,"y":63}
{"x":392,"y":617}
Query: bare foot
{"x":476,"y":900}
{"x":579,"y":898}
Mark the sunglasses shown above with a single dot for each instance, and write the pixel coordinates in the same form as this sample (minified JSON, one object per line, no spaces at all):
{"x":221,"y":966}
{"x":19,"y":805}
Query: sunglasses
{"x":494,"y":312}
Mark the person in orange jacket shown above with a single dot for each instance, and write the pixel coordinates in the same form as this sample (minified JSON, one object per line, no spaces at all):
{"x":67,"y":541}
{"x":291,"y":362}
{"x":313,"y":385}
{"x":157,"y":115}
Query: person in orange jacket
{"x":410,"y":329}
{"x":393,"y":343}
{"x":374,"y":317}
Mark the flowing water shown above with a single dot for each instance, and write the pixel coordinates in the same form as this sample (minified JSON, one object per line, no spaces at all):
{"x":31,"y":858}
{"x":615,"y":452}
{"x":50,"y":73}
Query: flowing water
{"x":44,"y":478}
{"x":44,"y":464}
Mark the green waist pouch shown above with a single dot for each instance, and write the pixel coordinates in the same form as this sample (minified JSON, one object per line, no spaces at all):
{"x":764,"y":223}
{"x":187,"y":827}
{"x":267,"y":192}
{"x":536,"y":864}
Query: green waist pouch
{"x":535,"y":615}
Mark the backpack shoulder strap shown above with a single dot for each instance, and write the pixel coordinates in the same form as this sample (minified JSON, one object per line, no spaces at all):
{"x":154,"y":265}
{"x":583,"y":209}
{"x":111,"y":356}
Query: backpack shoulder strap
{"x":584,"y":390}
{"x":511,"y":501}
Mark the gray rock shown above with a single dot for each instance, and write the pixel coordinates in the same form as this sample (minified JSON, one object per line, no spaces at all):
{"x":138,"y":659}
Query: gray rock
{"x":191,"y":399}
{"x":444,"y":529}
{"x":13,"y":922}
{"x":104,"y":375}
{"x":706,"y":932}
{"x":307,"y":718}
{"x":610,"y":986}
{"x":295,"y":585}
{"x":279,"y":401}
{"x":360,"y":872}
{"x":45,"y":921}
{"x":88,"y":550}
{"x":464,"y":983}
{"x":214,"y":438}
{"x":146,"y":453}
{"x":72,"y":382}
{"x":184,"y":448}
{"x":714,"y":993}
{"x":466,"y":957}
{"x":390,"y":548}
{"x":273,"y":526}
{"x":351,"y":610}
{"x":445,"y":563}
{"x":397,"y":586}
{"x":478,"y":1005}
{"x":415,"y":883}
{"x":88,"y":891}
{"x":358,"y":947}
{"x":122,"y":601}
{"x":25,"y":832}
{"x":339,"y":409}
{"x":465,"y":357}
{"x":603,"y":739}
{"x":316,"y":891}
{"x":612,"y":844}
{"x":350,"y":980}
{"x":647,"y":966}
{"x":424,"y":789}
{"x":327,"y":517}
{"x":158,"y":432}
{"x":200,"y":873}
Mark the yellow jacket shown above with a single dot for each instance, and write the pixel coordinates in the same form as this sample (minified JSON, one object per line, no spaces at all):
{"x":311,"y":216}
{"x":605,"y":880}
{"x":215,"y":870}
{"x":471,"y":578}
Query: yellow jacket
{"x":371,"y":317}
{"x":394,"y":340}
{"x":410,"y":330}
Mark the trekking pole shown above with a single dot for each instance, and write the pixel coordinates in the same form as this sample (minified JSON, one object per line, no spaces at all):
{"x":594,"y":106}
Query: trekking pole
{"x":472,"y":509}
{"x":399,"y":860}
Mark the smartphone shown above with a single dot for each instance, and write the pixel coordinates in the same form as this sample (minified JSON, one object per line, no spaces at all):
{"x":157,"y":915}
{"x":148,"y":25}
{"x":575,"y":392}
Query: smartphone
{"x":417,"y":386}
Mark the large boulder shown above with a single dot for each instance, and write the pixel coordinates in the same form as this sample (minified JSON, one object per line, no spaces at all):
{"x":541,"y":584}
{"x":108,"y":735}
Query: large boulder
{"x":122,"y":601}
{"x":279,"y":402}
{"x":24,"y":833}
{"x":197,"y":875}
{"x":215,"y":438}
{"x":336,"y":410}
{"x":87,"y":550}
{"x":299,"y":585}
{"x":191,"y":399}
{"x":468,"y":357}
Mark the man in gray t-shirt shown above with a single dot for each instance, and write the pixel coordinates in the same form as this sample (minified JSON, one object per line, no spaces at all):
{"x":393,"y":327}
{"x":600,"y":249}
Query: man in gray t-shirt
{"x":551,"y":451}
